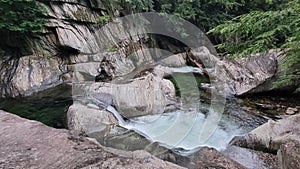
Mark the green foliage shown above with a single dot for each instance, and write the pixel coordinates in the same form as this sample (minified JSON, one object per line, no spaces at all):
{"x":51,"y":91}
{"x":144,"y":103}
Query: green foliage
{"x":104,"y":19}
{"x":113,"y":49}
{"x":259,"y":31}
{"x":204,"y":13}
{"x":140,"y":5}
{"x":21,"y":16}
{"x":132,"y":5}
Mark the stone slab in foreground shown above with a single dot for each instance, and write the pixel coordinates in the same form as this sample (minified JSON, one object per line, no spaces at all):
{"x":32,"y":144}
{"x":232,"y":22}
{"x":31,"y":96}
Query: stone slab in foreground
{"x":30,"y":144}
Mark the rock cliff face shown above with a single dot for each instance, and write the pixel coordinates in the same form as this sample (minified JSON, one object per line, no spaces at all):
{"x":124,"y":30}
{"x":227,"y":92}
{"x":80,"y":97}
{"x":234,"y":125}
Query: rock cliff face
{"x":30,"y":74}
{"x":33,"y":63}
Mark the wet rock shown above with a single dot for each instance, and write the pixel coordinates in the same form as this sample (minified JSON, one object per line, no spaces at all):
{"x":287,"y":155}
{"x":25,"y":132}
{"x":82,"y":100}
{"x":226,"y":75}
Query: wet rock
{"x":30,"y":144}
{"x":291,"y":111}
{"x":271,"y":135}
{"x":123,"y":139}
{"x":289,"y":155}
{"x":87,"y":119}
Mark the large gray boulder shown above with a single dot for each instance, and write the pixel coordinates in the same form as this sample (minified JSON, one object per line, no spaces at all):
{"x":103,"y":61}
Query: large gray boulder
{"x":146,"y":95}
{"x":271,"y":135}
{"x":251,"y":159}
{"x":240,"y":76}
{"x":282,"y":137}
{"x":88,"y":120}
{"x":30,"y":144}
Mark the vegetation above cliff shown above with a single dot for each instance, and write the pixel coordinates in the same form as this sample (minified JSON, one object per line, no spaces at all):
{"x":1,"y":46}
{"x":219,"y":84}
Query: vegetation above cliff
{"x":260,"y":31}
{"x":21,"y":16}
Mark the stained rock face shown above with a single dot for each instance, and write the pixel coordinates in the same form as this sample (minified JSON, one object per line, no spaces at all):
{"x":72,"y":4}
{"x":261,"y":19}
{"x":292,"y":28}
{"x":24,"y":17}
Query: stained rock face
{"x":30,"y":74}
{"x":73,"y":35}
{"x":30,"y":144}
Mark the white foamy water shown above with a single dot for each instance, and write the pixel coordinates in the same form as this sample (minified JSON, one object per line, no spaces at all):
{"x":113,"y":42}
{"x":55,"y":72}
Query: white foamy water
{"x":117,"y":115}
{"x":180,"y":130}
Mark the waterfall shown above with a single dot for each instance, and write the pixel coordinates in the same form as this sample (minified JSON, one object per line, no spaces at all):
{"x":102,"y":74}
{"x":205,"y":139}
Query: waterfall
{"x":100,"y":102}
{"x":183,"y":130}
{"x":117,"y":115}
{"x":178,"y":129}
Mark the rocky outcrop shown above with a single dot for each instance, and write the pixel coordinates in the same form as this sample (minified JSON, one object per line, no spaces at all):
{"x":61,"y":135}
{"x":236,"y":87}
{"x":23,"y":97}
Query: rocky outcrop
{"x":271,"y":135}
{"x":282,"y":137}
{"x":146,"y":95}
{"x":88,"y":120}
{"x":72,"y":35}
{"x":239,"y":76}
{"x":30,"y":144}
{"x":30,"y":74}
{"x":271,"y":85}
{"x":251,"y":159}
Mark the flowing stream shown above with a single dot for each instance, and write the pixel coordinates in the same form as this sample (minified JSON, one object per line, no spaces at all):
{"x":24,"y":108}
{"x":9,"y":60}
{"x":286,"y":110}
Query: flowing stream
{"x":179,"y":129}
{"x":190,"y":127}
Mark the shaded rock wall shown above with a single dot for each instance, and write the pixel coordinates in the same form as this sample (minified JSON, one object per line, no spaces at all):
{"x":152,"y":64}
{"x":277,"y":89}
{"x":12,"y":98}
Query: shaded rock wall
{"x":33,"y":63}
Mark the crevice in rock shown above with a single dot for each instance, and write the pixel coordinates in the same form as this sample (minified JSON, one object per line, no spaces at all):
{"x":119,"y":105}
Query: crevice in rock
{"x":65,"y":51}
{"x":7,"y":70}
